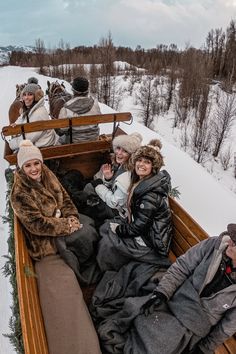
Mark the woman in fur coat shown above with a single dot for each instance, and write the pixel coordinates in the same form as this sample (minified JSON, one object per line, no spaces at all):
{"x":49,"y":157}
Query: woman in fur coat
{"x":48,"y":215}
{"x":34,"y":110}
{"x":146,"y":233}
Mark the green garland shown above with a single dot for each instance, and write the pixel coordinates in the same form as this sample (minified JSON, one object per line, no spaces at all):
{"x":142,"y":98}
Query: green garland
{"x":9,"y":270}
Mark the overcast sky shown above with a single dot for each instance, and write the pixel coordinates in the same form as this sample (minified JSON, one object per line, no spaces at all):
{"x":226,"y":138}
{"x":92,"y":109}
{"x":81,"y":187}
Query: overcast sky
{"x":131,"y":22}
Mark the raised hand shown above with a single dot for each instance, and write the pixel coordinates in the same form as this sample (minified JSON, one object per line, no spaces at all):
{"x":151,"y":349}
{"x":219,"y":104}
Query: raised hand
{"x":107,"y":171}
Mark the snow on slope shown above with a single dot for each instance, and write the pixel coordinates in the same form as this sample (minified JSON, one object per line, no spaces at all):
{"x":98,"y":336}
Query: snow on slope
{"x":202,"y":196}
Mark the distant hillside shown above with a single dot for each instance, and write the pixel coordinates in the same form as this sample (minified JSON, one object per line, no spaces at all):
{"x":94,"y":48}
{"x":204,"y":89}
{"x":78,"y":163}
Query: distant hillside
{"x":5,"y":51}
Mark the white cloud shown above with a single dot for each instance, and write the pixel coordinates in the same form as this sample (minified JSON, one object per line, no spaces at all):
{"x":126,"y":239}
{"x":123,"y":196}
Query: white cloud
{"x":144,"y":22}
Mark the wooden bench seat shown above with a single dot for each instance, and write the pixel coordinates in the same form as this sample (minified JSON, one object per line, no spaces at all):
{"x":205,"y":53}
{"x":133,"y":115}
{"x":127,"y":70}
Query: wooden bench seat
{"x":67,"y":150}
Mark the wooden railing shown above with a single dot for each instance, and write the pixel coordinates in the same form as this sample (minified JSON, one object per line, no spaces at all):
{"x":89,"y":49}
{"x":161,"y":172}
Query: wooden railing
{"x":67,"y":150}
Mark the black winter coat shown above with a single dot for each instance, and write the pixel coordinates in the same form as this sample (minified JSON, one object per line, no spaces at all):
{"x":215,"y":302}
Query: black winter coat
{"x":151,"y":215}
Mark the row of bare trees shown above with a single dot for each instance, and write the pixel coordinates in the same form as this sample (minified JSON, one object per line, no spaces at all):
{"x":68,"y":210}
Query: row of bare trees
{"x":178,"y":79}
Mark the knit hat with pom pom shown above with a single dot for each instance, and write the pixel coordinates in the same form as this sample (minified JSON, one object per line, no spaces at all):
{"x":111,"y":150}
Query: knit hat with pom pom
{"x":32,"y":80}
{"x":129,"y":143}
{"x":27,"y":152}
{"x":152,"y":153}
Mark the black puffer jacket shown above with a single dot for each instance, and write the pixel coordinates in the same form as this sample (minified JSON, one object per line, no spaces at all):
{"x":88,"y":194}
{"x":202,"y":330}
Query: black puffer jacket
{"x":151,"y":215}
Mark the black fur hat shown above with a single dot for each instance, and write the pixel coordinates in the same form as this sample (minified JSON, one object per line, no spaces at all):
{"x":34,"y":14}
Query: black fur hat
{"x":151,"y":152}
{"x":231,"y":229}
{"x":80,"y":85}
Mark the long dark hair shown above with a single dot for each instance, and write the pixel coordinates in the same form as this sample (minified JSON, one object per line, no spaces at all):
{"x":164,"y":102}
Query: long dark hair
{"x":26,"y":110}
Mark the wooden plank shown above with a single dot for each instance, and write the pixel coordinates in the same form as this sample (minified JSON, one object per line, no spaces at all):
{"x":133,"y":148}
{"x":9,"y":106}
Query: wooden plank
{"x":34,"y":337}
{"x":182,"y":242}
{"x":223,"y":350}
{"x":230,"y":344}
{"x":65,"y":123}
{"x":192,"y":225}
{"x":59,"y":151}
{"x":88,"y":164}
{"x":183,"y":229}
{"x":176,"y":249}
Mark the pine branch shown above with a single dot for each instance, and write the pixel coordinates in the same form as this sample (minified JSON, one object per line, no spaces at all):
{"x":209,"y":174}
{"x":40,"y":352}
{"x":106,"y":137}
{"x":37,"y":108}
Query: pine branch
{"x":9,"y":270}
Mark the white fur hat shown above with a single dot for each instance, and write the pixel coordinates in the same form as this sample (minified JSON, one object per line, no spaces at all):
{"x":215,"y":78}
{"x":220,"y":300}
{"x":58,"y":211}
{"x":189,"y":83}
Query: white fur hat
{"x":129,"y":143}
{"x":27,"y":152}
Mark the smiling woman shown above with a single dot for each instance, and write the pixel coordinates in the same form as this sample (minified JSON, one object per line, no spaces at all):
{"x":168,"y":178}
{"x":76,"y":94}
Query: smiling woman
{"x":145,"y":234}
{"x":30,"y":160}
{"x":33,"y":109}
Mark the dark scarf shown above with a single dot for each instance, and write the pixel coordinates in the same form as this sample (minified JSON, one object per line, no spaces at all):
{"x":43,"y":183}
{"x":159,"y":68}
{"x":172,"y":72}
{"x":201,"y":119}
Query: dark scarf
{"x":224,"y":277}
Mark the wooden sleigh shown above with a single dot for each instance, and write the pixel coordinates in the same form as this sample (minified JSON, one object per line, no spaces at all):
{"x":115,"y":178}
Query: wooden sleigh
{"x":87,"y":157}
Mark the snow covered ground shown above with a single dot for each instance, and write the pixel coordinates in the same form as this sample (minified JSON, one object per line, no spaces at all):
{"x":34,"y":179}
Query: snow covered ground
{"x":210,"y":203}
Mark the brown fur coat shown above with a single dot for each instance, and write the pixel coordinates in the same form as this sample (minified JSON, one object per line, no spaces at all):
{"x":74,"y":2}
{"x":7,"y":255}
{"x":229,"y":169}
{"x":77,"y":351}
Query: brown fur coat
{"x":35,"y":204}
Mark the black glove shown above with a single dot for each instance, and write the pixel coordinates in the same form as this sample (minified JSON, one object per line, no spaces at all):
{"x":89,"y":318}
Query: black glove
{"x":155,"y":300}
{"x":195,"y":350}
{"x":96,"y":182}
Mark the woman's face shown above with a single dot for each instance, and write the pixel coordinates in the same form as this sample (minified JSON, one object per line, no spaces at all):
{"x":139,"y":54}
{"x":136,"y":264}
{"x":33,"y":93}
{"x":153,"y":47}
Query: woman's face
{"x":121,"y":155}
{"x":143,"y":167}
{"x":28,"y":98}
{"x":33,"y":169}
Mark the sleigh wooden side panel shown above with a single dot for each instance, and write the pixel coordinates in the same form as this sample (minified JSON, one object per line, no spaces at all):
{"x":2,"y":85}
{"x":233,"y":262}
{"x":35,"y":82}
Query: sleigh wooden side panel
{"x":33,"y":332}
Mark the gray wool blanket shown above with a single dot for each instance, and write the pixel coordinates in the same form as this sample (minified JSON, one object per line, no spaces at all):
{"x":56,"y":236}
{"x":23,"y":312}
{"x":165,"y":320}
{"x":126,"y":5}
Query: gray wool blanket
{"x":117,"y":301}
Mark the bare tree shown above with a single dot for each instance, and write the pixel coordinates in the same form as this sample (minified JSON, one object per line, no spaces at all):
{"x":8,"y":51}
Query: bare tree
{"x":93,"y":78}
{"x":225,"y":158}
{"x":116,"y":94}
{"x":107,"y":57}
{"x":148,"y":99}
{"x":225,"y":115}
{"x":201,"y":137}
{"x":40,"y":51}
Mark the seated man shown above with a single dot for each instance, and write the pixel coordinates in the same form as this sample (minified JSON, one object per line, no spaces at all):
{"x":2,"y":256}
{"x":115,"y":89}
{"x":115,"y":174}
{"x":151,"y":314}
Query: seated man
{"x":80,"y":104}
{"x":195,"y":301}
{"x":192,"y":310}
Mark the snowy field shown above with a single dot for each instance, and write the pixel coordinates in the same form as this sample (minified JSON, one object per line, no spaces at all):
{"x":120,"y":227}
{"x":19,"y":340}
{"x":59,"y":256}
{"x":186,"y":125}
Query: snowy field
{"x":206,"y":200}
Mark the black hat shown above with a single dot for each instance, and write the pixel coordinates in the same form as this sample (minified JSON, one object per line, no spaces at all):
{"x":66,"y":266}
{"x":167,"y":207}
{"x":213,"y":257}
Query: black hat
{"x":32,"y":80}
{"x":231,"y":228}
{"x":80,"y":85}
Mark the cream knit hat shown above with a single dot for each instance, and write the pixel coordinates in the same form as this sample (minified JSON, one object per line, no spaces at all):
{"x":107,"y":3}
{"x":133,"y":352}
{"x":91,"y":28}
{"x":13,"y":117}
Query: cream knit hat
{"x":28,"y":151}
{"x":129,"y":143}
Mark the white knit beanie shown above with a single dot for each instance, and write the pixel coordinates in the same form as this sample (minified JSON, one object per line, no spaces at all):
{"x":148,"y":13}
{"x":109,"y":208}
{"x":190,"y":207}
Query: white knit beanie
{"x":28,"y":151}
{"x":129,"y":143}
